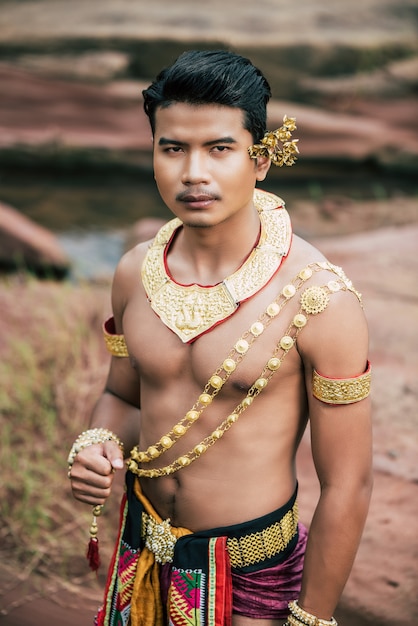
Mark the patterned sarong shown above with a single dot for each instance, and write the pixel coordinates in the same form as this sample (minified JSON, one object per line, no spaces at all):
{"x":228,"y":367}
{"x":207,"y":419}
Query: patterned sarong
{"x":195,"y":589}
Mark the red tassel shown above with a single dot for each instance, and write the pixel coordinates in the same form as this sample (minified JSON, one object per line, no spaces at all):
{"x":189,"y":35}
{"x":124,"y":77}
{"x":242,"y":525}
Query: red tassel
{"x":93,"y":548}
{"x":93,"y":555}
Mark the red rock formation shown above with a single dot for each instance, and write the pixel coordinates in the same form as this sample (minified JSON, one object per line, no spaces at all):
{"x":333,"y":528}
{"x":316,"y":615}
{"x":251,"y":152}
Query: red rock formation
{"x":26,"y":245}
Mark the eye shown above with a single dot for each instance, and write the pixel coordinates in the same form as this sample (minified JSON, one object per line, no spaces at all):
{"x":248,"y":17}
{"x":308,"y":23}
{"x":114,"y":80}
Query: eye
{"x":220,"y":149}
{"x":173,"y":149}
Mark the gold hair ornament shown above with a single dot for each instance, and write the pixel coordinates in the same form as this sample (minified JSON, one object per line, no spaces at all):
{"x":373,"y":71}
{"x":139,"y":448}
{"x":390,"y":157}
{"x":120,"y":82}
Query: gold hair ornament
{"x":270,"y":146}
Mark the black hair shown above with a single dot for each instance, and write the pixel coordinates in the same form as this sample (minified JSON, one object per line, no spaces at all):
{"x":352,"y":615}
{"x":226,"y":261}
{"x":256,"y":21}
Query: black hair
{"x":212,"y":77}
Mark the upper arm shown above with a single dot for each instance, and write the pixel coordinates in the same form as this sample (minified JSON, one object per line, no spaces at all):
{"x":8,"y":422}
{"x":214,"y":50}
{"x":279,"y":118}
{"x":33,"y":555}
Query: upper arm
{"x":336,"y":346}
{"x":124,"y":282}
{"x":123,"y":380}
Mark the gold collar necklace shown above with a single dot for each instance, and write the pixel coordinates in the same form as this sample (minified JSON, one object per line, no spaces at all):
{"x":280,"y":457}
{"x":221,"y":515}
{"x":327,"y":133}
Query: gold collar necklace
{"x":192,"y":310}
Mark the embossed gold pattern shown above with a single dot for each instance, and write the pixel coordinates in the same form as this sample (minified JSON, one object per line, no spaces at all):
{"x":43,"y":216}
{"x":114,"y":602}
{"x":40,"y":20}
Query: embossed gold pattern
{"x":190,"y":310}
{"x":341,"y":390}
{"x":115,"y":344}
{"x":265,"y":544}
{"x":314,"y":300}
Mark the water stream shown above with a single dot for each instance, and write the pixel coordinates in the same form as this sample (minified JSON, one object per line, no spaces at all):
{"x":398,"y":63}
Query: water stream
{"x":91,"y":212}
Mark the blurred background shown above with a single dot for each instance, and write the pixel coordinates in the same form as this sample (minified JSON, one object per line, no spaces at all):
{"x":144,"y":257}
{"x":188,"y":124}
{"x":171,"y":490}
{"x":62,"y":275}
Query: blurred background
{"x":76,"y":189}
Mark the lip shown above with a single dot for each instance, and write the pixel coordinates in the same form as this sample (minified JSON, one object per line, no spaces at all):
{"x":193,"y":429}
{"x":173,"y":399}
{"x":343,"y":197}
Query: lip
{"x":199,"y":201}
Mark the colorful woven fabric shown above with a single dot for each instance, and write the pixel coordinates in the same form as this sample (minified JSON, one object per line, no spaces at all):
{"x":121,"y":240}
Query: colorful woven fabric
{"x":140,"y":592}
{"x":200,"y":590}
{"x":199,"y":587}
{"x":187,"y":591}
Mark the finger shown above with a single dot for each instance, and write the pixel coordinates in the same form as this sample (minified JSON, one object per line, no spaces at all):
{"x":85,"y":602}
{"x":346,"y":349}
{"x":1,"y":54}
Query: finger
{"x":92,"y":459}
{"x":88,"y":498}
{"x":114,"y":454}
{"x":93,"y":479}
{"x":91,"y":491}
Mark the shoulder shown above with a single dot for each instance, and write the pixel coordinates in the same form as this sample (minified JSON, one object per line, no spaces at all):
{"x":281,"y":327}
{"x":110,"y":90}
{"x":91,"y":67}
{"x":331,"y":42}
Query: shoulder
{"x":335,"y":340}
{"x":131,"y":261}
{"x":129,"y":268}
{"x":302,"y":253}
{"x":126,"y":278}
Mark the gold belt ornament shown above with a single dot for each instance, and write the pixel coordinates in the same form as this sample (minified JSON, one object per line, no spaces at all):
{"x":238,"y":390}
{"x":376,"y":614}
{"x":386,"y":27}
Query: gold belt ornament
{"x":246,"y":550}
{"x":158,"y":538}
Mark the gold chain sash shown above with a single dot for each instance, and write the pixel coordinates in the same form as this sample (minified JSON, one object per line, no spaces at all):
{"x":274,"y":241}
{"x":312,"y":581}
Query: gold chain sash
{"x":313,"y":300}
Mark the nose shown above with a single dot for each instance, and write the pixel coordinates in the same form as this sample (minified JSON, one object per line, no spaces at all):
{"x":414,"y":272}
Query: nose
{"x":195,"y":169}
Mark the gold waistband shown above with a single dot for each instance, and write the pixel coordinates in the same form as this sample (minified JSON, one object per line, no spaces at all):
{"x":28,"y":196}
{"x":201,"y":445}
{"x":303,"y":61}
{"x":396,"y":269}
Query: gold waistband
{"x":244,"y":551}
{"x":265,"y":544}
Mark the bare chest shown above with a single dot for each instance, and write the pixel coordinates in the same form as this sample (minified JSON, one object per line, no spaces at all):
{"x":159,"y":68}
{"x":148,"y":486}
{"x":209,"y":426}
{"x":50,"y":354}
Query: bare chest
{"x":238,"y":350}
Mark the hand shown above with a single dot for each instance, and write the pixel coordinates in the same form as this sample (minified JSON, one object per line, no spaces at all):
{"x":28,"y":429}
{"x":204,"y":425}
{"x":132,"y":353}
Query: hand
{"x":93,"y":472}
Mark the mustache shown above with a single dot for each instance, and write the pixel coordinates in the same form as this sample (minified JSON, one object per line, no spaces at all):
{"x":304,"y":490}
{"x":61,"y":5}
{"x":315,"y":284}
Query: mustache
{"x":196,"y":194}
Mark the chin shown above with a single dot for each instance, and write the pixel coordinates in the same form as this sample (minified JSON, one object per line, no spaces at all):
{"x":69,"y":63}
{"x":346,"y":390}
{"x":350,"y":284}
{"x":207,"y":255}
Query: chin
{"x":196,"y":223}
{"x":199,"y":219}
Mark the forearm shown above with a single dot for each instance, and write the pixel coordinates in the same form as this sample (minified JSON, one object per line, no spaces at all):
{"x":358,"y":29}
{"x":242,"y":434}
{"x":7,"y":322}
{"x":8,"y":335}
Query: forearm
{"x":119,"y":416}
{"x":333,"y":541}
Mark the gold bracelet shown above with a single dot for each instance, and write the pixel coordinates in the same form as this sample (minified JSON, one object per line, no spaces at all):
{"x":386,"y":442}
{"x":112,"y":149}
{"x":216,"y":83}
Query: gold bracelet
{"x":294,"y":621}
{"x":89,"y":438}
{"x":305,"y":618}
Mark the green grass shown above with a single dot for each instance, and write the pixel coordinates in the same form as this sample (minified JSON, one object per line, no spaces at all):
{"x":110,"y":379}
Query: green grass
{"x":52,"y":368}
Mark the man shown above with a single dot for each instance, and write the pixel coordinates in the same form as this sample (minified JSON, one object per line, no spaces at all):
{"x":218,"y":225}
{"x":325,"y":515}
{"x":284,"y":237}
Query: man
{"x":228,"y":332}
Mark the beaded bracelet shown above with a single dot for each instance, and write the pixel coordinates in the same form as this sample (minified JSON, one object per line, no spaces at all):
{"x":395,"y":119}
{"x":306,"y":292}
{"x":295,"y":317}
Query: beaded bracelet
{"x":89,"y":438}
{"x":294,"y":621}
{"x":300,"y":617}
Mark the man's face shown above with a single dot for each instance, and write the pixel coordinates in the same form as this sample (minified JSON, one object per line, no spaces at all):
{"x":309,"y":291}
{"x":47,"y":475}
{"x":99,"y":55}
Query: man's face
{"x":201,"y":164}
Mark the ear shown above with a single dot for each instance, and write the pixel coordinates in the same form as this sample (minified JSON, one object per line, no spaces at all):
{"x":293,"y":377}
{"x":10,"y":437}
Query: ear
{"x":262,"y":166}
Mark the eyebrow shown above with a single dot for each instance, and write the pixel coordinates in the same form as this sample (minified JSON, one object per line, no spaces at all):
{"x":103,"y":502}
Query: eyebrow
{"x":165,"y":141}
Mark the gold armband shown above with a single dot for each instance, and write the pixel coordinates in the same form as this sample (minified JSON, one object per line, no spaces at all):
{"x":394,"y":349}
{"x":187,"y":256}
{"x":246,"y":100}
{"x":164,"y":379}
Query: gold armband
{"x":115,"y":344}
{"x":341,"y":390}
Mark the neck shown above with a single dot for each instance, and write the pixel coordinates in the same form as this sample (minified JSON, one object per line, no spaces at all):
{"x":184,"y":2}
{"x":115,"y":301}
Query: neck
{"x":208,"y":255}
{"x":188,"y":309}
